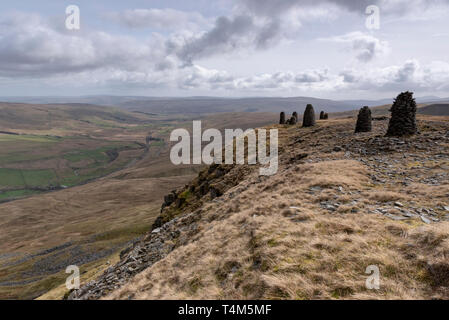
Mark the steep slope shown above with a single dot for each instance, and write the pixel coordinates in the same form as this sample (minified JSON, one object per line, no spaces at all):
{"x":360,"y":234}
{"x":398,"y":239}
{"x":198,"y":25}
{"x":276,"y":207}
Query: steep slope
{"x":339,"y":203}
{"x":89,"y":219}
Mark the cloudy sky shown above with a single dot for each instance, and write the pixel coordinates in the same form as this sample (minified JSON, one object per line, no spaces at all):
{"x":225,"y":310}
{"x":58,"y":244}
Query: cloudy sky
{"x":319,"y":48}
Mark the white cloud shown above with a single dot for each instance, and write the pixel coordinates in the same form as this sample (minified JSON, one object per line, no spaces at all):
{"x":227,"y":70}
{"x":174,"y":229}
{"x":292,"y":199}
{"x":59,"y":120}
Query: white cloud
{"x":411,"y":75}
{"x":37,"y":49}
{"x":365,"y":46}
{"x":30,"y":47}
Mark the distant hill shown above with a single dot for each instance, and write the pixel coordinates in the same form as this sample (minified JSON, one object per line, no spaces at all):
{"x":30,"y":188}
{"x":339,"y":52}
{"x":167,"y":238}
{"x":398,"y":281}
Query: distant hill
{"x":31,"y":116}
{"x":209,"y":105}
{"x":435,"y":110}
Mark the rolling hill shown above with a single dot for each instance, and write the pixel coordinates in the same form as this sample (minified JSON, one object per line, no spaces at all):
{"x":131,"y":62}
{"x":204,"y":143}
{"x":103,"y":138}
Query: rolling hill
{"x":79,"y":183}
{"x":209,"y":105}
{"x":435,"y":110}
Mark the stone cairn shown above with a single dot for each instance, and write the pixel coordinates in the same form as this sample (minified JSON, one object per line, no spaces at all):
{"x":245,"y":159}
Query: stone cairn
{"x":282,"y":120}
{"x":309,"y":116}
{"x":321,"y":115}
{"x":295,"y":114}
{"x":326,"y":116}
{"x":293,"y":120}
{"x":403,"y":116}
{"x":364,"y":120}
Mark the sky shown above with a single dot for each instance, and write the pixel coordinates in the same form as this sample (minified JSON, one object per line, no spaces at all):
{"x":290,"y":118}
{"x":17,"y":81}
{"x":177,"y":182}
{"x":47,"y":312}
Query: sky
{"x":336,"y":49}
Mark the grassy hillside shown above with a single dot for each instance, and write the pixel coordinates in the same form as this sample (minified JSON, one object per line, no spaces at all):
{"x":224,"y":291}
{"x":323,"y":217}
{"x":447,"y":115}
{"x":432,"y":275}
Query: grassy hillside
{"x":339,"y":203}
{"x":116,"y":183}
{"x":435,"y":110}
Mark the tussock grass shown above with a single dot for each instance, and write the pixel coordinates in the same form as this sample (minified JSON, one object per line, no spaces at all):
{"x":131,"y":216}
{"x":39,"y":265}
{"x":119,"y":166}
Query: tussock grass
{"x":258,"y":247}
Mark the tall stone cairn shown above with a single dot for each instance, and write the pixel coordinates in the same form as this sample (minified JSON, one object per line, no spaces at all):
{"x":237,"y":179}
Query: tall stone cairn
{"x":403,"y":116}
{"x":364,"y":120}
{"x":309,"y":117}
{"x":282,"y":120}
{"x":321,"y":115}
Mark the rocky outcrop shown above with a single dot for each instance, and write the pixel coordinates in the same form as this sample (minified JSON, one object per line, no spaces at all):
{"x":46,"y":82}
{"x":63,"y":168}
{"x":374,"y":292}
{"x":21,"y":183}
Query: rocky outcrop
{"x":309,"y":117}
{"x":169,"y":199}
{"x":154,"y":247}
{"x":364,"y":120}
{"x":210,"y":183}
{"x":175,"y":227}
{"x":403,"y":116}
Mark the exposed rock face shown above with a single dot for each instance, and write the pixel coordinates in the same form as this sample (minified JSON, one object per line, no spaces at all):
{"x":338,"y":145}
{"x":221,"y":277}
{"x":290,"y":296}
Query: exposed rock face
{"x":364,"y":120}
{"x":309,"y":117}
{"x":169,"y":199}
{"x":403,"y":116}
{"x":282,"y":120}
{"x":143,"y":254}
{"x":321,"y":115}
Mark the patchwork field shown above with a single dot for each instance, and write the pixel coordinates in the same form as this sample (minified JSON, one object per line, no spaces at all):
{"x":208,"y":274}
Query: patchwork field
{"x":46,"y":148}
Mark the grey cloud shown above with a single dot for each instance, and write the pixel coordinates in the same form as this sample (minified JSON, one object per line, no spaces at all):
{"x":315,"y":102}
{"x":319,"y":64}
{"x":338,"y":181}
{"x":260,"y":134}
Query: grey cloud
{"x":405,"y":76}
{"x":365,"y":46}
{"x":37,"y":49}
{"x":312,"y":76}
{"x":255,"y":24}
{"x":227,"y":34}
{"x":275,"y":81}
{"x":165,"y":19}
{"x":259,"y":24}
{"x":268,"y":34}
{"x":276,"y":7}
{"x":406,"y":72}
{"x":348,"y":76}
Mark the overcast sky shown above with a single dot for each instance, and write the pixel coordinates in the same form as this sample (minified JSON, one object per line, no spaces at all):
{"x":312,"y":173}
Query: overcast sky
{"x":319,"y":48}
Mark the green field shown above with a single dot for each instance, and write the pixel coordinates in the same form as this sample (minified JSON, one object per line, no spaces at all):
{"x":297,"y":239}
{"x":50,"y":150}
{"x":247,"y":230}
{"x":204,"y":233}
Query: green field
{"x":17,"y":178}
{"x":33,"y":163}
{"x":16,"y":194}
{"x":80,"y":155}
{"x":27,"y":138}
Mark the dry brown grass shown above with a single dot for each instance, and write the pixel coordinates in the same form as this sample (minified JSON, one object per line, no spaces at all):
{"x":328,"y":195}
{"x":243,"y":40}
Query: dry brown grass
{"x":386,"y":196}
{"x":255,"y":246}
